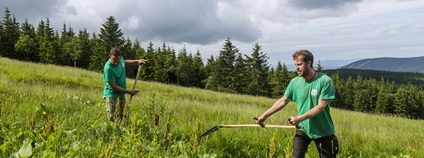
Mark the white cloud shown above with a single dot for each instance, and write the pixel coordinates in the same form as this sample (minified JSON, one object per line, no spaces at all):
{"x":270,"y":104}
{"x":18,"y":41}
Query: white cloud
{"x":133,"y":23}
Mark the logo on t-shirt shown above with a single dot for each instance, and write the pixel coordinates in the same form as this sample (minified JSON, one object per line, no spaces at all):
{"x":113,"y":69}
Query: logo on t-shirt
{"x":314,"y":92}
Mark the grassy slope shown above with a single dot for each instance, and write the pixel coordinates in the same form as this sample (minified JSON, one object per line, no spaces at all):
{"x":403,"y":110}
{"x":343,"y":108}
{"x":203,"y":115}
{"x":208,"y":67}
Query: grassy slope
{"x":74,"y":96}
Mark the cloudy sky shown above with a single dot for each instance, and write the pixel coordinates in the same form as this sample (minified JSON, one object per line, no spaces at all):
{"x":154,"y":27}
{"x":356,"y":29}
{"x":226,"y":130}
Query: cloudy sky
{"x":330,"y":29}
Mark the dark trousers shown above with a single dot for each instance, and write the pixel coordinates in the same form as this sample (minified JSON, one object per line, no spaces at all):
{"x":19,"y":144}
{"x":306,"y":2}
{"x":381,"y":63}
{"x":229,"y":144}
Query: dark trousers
{"x":327,"y":146}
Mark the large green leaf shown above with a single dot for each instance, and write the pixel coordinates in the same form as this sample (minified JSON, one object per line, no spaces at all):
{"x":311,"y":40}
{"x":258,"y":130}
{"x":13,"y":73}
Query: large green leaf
{"x":26,"y":149}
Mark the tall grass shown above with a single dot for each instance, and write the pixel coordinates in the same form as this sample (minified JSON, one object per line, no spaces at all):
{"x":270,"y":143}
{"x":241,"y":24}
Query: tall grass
{"x":68,"y":101}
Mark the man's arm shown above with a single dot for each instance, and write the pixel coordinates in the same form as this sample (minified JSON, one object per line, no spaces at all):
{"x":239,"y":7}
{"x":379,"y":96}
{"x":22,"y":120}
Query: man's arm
{"x":116,"y":88}
{"x":278,"y":105}
{"x":141,"y":61}
{"x":322,"y":103}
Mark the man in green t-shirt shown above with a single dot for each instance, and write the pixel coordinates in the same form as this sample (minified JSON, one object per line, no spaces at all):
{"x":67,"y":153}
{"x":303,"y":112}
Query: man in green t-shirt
{"x":115,"y":85}
{"x":312,"y":92}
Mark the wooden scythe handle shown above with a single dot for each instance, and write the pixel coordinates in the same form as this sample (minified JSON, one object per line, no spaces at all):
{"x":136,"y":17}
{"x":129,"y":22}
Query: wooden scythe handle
{"x":135,"y":81}
{"x":255,"y":125}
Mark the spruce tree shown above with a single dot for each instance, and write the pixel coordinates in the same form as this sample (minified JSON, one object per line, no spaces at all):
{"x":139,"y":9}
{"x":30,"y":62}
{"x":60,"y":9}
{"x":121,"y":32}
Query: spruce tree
{"x":127,"y":53}
{"x":46,"y":43}
{"x":185,"y":69}
{"x":160,"y":69}
{"x":382,"y":98}
{"x":338,"y":85}
{"x":373,"y":90}
{"x":57,"y":50}
{"x":258,"y":68}
{"x":319,"y":67}
{"x":211,"y":82}
{"x":223,"y":73}
{"x":64,"y":57}
{"x":9,"y":36}
{"x":348,"y":94}
{"x":401,"y":102}
{"x":360,"y":94}
{"x":240,"y":78}
{"x":99,"y":55}
{"x":199,"y":70}
{"x":137,"y":53}
{"x":147,"y":70}
{"x":171,"y":64}
{"x":281,"y":79}
{"x":86,"y":49}
{"x":111,"y":35}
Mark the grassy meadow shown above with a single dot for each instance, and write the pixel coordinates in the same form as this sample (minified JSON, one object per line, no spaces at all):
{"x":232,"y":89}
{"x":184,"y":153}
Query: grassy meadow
{"x":52,"y":111}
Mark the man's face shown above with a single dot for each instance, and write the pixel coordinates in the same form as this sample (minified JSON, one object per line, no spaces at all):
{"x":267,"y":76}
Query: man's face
{"x":115,"y":59}
{"x":302,"y":68}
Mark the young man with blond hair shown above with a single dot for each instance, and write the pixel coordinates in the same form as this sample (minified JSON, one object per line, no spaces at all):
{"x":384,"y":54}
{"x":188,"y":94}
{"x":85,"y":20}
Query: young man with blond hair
{"x":312,"y":93}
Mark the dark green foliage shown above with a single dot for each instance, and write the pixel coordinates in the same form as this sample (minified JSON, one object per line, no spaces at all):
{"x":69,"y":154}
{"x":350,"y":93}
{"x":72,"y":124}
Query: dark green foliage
{"x":280,"y":81}
{"x":65,"y":38}
{"x":135,"y":52}
{"x":111,"y":35}
{"x":199,"y":71}
{"x":99,"y":55}
{"x":147,"y":70}
{"x":26,"y":46}
{"x":400,"y":78}
{"x":85,"y":48}
{"x":241,"y":80}
{"x":9,"y":36}
{"x":46,"y":47}
{"x":339,"y":102}
{"x":128,"y":53}
{"x":222,"y":77}
{"x":401,"y":102}
{"x":160,"y":64}
{"x":383,"y":99}
{"x":210,"y":82}
{"x":185,"y":69}
{"x":257,"y":72}
{"x":171,"y":67}
{"x":319,"y":67}
{"x":73,"y":48}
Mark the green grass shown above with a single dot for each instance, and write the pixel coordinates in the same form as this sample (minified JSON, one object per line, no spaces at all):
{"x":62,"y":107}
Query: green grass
{"x":75,"y":111}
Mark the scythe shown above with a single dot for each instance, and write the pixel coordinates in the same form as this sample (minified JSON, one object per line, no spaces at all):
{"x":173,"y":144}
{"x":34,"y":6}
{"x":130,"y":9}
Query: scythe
{"x":216,"y":128}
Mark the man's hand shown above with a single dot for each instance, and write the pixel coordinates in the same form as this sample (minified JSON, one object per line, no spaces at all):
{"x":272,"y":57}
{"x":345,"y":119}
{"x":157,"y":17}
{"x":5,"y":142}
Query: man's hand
{"x":260,"y":121}
{"x":142,"y":61}
{"x":133,"y":92}
{"x":294,"y":120}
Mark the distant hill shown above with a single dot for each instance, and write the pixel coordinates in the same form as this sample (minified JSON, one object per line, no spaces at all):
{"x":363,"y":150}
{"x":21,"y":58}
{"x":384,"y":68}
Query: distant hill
{"x":414,"y":64}
{"x":326,"y":64}
{"x":334,"y":64}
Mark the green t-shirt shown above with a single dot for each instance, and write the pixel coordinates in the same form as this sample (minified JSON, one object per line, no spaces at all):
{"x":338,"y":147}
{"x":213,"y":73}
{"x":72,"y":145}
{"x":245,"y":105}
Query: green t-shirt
{"x":114,"y":73}
{"x":306,"y":96}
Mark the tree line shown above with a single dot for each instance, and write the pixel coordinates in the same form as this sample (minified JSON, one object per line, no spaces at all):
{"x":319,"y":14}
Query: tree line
{"x":230,"y":71}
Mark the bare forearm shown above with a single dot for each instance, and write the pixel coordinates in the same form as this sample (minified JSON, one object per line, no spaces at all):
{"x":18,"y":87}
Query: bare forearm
{"x":314,"y":111}
{"x":120,"y":89}
{"x":278,"y":105}
{"x":132,"y":62}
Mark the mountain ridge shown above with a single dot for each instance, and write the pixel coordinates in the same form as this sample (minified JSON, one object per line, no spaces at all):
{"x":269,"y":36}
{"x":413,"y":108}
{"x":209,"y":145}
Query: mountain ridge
{"x":410,"y":64}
